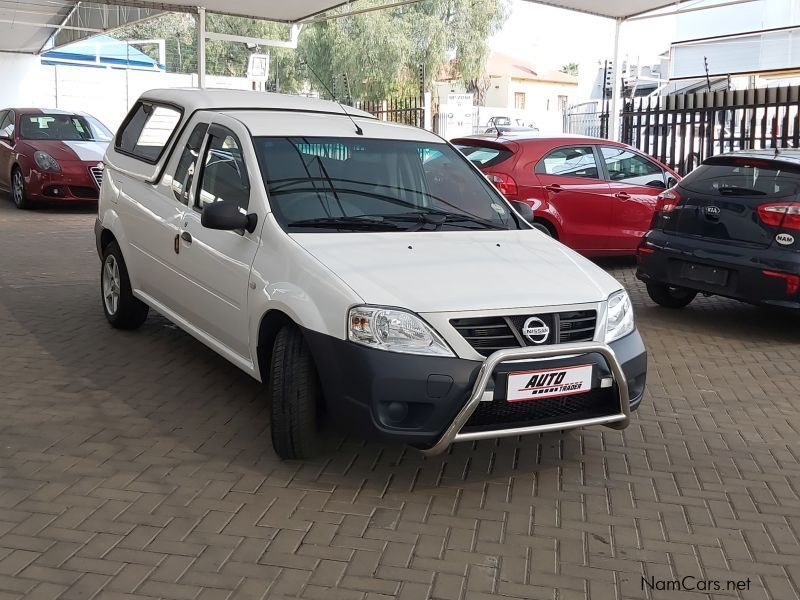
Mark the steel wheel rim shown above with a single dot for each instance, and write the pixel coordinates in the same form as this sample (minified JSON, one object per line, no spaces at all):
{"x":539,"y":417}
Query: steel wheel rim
{"x":111,"y":284}
{"x":18,"y":187}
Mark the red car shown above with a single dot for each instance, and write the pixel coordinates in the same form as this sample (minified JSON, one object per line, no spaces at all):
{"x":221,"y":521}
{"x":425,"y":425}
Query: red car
{"x":594,"y":195}
{"x":48,"y":155}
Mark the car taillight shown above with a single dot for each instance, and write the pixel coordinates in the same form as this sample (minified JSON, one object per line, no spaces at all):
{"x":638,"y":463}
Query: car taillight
{"x":504,"y":183}
{"x":792,"y":280}
{"x":780,"y":214}
{"x":665,"y":204}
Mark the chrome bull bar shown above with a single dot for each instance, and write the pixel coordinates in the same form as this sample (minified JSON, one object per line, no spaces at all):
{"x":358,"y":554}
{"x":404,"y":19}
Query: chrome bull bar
{"x":617,"y":421}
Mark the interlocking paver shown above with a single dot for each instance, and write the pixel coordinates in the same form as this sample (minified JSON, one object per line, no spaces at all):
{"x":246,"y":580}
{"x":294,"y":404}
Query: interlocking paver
{"x":138,"y":465}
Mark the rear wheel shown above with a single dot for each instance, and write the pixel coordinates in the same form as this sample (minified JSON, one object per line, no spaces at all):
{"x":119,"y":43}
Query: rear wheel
{"x":670,"y":296}
{"x":539,"y":226}
{"x":296,"y":396}
{"x":18,"y":193}
{"x":122,"y":309}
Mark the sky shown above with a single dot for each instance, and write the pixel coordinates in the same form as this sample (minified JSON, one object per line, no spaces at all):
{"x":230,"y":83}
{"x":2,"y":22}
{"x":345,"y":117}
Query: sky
{"x":551,"y":37}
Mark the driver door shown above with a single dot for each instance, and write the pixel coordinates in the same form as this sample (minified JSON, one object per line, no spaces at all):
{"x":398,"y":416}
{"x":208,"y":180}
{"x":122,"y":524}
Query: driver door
{"x":217,"y":263}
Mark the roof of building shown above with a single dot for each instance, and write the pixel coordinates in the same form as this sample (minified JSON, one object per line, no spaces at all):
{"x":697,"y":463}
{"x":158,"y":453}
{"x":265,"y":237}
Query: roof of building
{"x":503,"y":65}
{"x":193,"y":99}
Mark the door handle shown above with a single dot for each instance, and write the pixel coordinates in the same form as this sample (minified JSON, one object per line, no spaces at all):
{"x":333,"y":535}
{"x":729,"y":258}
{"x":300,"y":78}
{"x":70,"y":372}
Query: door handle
{"x":622,"y":196}
{"x":186,"y":237}
{"x":553,"y":187}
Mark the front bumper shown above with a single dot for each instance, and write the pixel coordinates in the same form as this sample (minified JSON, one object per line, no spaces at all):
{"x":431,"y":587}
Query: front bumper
{"x":428,"y":402}
{"x":74,"y":182}
{"x":665,"y":254}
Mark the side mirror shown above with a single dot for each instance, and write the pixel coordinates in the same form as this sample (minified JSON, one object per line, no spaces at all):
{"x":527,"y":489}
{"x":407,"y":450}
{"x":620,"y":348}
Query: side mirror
{"x":5,"y":136}
{"x":525,"y":210}
{"x":672,"y":182}
{"x":226,"y":216}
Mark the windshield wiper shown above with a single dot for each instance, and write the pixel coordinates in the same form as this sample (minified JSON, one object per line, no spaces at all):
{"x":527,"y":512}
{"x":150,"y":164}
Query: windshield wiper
{"x":440,"y":218}
{"x":361,"y":223}
{"x":735,"y":190}
{"x":436,"y":218}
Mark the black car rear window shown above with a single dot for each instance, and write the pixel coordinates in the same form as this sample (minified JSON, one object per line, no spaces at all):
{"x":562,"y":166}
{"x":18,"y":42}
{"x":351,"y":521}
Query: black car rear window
{"x":485,"y":156}
{"x":742,"y":176}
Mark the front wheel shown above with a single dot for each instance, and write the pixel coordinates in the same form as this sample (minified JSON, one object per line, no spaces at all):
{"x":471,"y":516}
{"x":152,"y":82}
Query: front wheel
{"x":670,"y":296}
{"x":18,"y":192}
{"x":123,"y":310}
{"x":296,"y":396}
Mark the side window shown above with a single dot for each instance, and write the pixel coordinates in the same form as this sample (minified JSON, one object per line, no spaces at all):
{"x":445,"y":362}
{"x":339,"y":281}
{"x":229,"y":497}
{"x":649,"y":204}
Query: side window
{"x":7,"y":124}
{"x":625,"y":166}
{"x":224,"y":178}
{"x":184,"y":174}
{"x":147,"y":130}
{"x":574,"y":161}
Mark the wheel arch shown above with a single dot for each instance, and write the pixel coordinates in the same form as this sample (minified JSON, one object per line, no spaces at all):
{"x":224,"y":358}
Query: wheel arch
{"x":271,"y":323}
{"x":549,"y":223}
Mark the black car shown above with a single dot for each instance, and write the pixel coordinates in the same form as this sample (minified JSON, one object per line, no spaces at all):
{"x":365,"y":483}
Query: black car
{"x":730,"y":228}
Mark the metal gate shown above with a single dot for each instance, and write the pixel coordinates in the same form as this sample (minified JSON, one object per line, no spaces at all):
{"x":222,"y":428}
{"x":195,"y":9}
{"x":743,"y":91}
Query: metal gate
{"x":589,"y":118}
{"x":682,"y":130}
{"x":409,"y":111}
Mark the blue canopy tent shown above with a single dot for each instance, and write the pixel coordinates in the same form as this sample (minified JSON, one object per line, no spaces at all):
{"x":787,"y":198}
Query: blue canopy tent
{"x":101,"y":51}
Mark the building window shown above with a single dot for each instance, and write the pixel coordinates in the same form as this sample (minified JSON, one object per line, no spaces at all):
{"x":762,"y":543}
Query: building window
{"x":519,"y":100}
{"x":562,"y":103}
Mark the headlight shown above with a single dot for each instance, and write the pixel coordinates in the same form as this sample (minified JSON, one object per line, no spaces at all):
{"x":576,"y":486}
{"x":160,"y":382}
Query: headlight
{"x":45,"y":161}
{"x":395,"y":330}
{"x":619,"y":321}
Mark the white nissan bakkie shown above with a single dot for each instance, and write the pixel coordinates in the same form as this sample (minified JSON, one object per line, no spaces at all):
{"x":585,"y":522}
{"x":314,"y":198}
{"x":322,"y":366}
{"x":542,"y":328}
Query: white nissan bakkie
{"x":366,"y":271}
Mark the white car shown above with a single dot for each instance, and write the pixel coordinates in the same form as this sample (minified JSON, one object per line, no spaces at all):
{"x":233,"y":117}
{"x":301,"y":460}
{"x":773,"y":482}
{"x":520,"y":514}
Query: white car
{"x":366,"y":271}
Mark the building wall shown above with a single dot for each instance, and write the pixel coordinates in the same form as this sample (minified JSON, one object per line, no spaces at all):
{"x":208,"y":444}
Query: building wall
{"x":107,"y":94}
{"x":541,"y":101}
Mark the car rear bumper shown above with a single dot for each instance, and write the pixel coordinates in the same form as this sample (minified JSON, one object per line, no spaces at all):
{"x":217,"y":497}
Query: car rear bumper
{"x":429,"y":402}
{"x":74,"y":182}
{"x":662,"y":258}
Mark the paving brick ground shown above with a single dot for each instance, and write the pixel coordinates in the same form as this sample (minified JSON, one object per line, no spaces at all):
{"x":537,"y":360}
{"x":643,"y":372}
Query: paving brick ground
{"x":138,"y":465}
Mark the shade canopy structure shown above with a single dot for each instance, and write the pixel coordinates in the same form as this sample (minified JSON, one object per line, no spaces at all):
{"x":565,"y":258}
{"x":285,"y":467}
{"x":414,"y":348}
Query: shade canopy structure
{"x":30,"y":27}
{"x":26,"y":27}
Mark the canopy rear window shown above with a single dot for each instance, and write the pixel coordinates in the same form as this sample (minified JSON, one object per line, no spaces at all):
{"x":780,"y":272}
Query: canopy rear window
{"x":743,"y":176}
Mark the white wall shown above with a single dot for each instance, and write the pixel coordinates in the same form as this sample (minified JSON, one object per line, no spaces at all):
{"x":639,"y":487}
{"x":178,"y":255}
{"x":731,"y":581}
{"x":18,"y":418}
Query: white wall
{"x":21,"y":79}
{"x":105,"y":93}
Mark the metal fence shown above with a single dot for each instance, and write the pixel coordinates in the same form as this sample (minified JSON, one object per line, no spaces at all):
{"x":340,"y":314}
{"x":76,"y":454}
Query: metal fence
{"x":589,"y":118}
{"x":409,"y":111}
{"x":682,"y":130}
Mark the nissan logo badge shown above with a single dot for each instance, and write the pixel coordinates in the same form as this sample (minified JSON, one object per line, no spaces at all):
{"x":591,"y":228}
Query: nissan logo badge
{"x":535,"y":330}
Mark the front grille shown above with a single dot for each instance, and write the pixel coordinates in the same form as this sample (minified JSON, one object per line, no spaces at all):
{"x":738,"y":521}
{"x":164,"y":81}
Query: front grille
{"x":489,"y":334}
{"x":97,"y":174}
{"x":80,"y":191}
{"x":500,"y":413}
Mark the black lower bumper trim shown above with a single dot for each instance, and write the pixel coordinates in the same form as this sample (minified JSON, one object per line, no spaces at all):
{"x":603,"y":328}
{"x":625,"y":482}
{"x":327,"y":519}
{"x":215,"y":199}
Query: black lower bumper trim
{"x":412,"y":399}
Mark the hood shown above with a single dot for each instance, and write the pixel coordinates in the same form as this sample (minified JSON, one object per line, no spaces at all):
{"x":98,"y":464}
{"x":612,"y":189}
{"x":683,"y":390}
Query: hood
{"x":67,"y":151}
{"x":459,"y":271}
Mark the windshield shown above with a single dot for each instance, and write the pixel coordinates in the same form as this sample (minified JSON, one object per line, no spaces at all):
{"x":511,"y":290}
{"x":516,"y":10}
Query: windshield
{"x":68,"y":128}
{"x":334,"y":184}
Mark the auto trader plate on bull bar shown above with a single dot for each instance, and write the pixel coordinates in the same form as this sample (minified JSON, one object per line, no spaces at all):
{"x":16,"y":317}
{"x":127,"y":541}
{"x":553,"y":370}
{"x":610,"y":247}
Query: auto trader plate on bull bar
{"x":534,"y":385}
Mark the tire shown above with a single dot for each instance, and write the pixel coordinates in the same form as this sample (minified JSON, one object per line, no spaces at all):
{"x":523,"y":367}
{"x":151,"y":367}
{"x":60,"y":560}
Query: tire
{"x":296,"y":397}
{"x":122,"y":309}
{"x":18,"y":193}
{"x":539,"y":226}
{"x":668,"y":296}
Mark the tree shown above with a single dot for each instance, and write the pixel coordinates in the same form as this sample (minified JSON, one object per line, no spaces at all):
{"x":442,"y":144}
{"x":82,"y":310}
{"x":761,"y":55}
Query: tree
{"x":570,"y":69}
{"x":376,"y":54}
